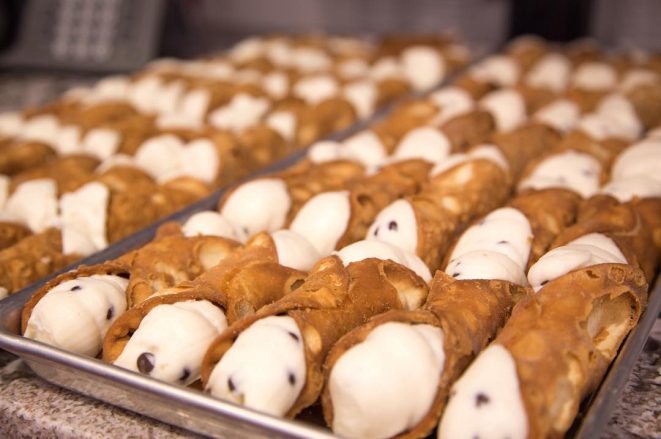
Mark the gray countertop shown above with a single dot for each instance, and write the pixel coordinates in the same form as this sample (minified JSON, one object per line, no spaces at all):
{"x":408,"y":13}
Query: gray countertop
{"x":31,"y":407}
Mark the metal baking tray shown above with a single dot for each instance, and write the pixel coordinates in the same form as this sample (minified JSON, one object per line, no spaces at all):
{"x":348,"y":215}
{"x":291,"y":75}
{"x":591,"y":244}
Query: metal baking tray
{"x":200,"y":413}
{"x":196,"y":411}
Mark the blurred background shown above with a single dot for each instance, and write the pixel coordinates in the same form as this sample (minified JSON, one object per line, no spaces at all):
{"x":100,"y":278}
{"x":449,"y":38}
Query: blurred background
{"x":48,"y":46}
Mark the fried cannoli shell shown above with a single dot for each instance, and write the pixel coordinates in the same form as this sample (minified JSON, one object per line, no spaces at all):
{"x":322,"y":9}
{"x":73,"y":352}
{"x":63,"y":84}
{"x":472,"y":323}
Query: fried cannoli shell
{"x":23,"y":156}
{"x":450,"y":201}
{"x":521,"y":146}
{"x":181,"y":192}
{"x":549,"y":212}
{"x":98,"y":114}
{"x":646,"y":99}
{"x":469,"y":129}
{"x":248,"y":279}
{"x":403,"y":119}
{"x":69,"y":172}
{"x":125,"y":178}
{"x":535,"y":98}
{"x":173,"y":259}
{"x":623,"y":224}
{"x":372,"y":194}
{"x":470,"y":313}
{"x":605,"y":150}
{"x":587,"y":100}
{"x":563,"y":338}
{"x":11,"y":233}
{"x":263,"y":144}
{"x":116,"y":267}
{"x":134,"y":130}
{"x":334,"y":115}
{"x":32,"y":258}
{"x":648,"y":208}
{"x":477,"y":89}
{"x":390,"y":89}
{"x":527,"y":50}
{"x":333,"y":300}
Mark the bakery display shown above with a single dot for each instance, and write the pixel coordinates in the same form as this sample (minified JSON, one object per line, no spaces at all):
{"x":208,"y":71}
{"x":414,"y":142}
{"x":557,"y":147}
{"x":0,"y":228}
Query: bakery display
{"x":471,"y":263}
{"x":166,"y":136}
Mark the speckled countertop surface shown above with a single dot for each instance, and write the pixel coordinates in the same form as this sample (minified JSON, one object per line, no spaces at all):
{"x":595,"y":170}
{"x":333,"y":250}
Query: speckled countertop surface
{"x":31,"y":407}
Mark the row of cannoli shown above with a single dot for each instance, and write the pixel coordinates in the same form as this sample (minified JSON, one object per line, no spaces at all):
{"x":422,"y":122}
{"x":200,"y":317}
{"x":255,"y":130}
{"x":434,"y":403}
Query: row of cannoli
{"x":109,"y":126}
{"x":273,"y":337}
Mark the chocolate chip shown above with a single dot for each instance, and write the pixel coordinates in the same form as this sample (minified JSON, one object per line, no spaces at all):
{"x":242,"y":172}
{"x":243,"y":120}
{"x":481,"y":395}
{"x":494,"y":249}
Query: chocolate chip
{"x":231,"y":385}
{"x":455,"y":274}
{"x":481,"y":399}
{"x":146,"y":362}
{"x":185,"y":374}
{"x":294,"y":336}
{"x":376,"y":231}
{"x":111,"y":313}
{"x":292,"y":379}
{"x":392,"y":225}
{"x":76,"y":288}
{"x":124,"y":275}
{"x":544,"y":283}
{"x":502,"y":242}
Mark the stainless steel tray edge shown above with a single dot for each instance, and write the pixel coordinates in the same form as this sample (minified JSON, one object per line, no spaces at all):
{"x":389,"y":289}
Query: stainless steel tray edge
{"x":604,"y":400}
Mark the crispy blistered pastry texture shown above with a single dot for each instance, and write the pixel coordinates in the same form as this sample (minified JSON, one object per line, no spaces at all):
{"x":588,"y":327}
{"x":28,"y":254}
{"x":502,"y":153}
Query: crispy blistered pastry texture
{"x":521,"y":146}
{"x":470,"y":313}
{"x":11,"y":233}
{"x":372,"y":194}
{"x":23,"y":156}
{"x":646,"y":99}
{"x":69,"y":172}
{"x":32,"y":258}
{"x":248,"y":279}
{"x":564,"y":337}
{"x":172,"y":259}
{"x":605,"y":150}
{"x":623,"y":224}
{"x":450,"y":200}
{"x":333,"y":300}
{"x":549,"y":212}
{"x":469,"y":129}
{"x":119,"y":267}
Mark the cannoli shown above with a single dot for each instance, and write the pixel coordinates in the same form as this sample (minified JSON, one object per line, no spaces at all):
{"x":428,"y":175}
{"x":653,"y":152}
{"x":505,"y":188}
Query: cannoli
{"x":69,"y":173}
{"x":74,"y":310}
{"x":508,"y":108}
{"x":521,"y":146}
{"x":467,"y":305}
{"x":170,"y":260}
{"x":417,"y":355}
{"x":550,"y":73}
{"x":333,"y":220}
{"x":242,"y":283}
{"x":568,"y":169}
{"x":275,"y":200}
{"x":527,"y":50}
{"x":458,"y":191}
{"x":590,"y":82}
{"x":549,"y":356}
{"x":23,"y":156}
{"x":337,"y":297}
